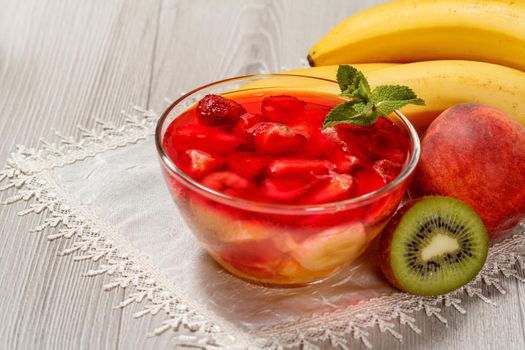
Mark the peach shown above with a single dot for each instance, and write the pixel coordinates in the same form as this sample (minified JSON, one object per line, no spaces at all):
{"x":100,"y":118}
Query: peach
{"x":476,"y":154}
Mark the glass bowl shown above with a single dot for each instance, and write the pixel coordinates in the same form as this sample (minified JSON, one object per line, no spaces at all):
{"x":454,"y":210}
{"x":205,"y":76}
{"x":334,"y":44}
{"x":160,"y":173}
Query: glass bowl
{"x":280,"y":244}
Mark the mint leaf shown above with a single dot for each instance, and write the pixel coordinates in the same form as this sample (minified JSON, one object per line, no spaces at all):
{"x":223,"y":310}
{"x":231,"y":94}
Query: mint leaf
{"x":366,"y":106}
{"x":357,"y":113}
{"x":345,"y":75}
{"x":353,"y":83}
{"x":388,"y":98}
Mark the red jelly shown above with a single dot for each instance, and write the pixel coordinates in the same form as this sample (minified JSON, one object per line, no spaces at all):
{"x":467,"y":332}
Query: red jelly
{"x":270,"y":148}
{"x":278,"y":145}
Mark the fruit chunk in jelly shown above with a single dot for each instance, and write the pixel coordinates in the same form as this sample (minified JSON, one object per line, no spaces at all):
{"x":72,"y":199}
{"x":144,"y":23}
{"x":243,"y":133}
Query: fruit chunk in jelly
{"x":335,"y":187}
{"x":282,"y":108}
{"x":277,"y":139}
{"x":332,"y":247}
{"x":199,"y":163}
{"x":215,"y":110}
{"x":203,"y":138}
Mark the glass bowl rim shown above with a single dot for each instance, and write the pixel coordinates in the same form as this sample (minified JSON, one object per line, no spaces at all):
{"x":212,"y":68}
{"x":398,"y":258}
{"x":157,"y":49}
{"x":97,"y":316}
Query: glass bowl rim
{"x":280,"y":208}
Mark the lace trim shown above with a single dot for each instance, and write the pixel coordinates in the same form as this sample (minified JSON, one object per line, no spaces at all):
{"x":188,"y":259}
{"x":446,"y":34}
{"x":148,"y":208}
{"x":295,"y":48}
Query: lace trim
{"x":25,"y":178}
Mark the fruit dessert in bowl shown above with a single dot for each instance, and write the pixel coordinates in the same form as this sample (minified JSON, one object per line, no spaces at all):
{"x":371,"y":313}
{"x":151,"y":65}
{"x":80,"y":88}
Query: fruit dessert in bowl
{"x":275,"y":191}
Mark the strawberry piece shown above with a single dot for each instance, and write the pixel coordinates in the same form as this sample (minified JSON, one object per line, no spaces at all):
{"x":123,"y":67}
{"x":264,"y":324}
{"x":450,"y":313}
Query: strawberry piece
{"x":246,"y":164}
{"x":383,"y":146}
{"x":281,"y":108}
{"x":275,"y":139}
{"x":344,"y":162}
{"x":286,"y":189}
{"x":235,"y":109}
{"x":338,"y":187}
{"x":318,"y":146}
{"x":204,"y":138}
{"x":299,"y":167}
{"x":245,"y":123}
{"x":199,"y":163}
{"x":228,"y":183}
{"x":387,"y":169}
{"x":387,"y":142}
{"x":216,"y":110}
{"x":354,"y":142}
{"x":326,"y":144}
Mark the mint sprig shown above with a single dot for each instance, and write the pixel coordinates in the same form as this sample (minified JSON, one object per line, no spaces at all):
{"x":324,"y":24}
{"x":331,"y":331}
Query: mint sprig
{"x":365,"y":105}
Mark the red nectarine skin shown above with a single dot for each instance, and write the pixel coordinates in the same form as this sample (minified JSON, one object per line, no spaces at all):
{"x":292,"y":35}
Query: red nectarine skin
{"x":385,"y":244}
{"x":476,"y":154}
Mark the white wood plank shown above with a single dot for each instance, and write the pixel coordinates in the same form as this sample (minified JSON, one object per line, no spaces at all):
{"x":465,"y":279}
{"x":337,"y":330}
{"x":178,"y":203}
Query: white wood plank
{"x":62,"y":63}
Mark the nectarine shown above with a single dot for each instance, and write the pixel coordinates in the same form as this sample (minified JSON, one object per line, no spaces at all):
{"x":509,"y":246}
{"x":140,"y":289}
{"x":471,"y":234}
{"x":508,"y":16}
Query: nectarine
{"x":476,"y":154}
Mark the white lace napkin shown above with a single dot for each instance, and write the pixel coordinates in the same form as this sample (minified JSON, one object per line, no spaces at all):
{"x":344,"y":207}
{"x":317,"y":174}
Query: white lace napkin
{"x":105,"y":193}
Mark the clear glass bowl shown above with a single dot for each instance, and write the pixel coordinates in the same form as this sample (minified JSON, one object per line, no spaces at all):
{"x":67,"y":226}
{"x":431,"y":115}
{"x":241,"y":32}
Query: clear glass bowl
{"x":280,"y":244}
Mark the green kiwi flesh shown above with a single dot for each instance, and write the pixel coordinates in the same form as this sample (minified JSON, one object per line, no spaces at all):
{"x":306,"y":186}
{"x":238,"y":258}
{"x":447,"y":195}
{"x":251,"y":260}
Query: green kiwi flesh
{"x":439,"y":245}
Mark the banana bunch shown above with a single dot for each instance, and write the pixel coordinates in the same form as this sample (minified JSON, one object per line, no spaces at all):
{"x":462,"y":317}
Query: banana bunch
{"x":454,"y":51}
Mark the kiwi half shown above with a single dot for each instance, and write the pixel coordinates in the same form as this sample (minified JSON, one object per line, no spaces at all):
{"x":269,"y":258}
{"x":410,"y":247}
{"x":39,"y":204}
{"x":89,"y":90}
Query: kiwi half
{"x":433,"y":245}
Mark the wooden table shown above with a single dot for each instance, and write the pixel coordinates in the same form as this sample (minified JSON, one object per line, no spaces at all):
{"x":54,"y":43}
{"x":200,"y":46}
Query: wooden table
{"x":62,"y":63}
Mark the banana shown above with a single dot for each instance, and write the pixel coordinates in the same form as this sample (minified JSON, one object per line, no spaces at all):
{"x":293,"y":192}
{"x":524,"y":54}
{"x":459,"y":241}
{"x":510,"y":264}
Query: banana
{"x":416,"y":30}
{"x":448,"y":82}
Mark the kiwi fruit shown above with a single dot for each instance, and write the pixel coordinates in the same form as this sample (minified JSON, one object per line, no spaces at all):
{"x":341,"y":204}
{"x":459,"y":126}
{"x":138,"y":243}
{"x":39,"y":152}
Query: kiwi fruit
{"x":433,"y":245}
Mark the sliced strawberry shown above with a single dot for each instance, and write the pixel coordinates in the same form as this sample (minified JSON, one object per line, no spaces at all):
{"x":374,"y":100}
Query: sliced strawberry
{"x":387,"y":142}
{"x":216,"y":110}
{"x":247,"y":164}
{"x":199,"y":163}
{"x":387,"y":169}
{"x":344,"y":162}
{"x":354,"y":142}
{"x":299,"y":167}
{"x":318,"y":145}
{"x":382,"y":146}
{"x":228,"y":183}
{"x":236,"y":110}
{"x":204,"y":138}
{"x":337,"y":187}
{"x":285,"y":189}
{"x":245,"y":123}
{"x":275,"y":139}
{"x":281,"y":109}
{"x":327,"y":144}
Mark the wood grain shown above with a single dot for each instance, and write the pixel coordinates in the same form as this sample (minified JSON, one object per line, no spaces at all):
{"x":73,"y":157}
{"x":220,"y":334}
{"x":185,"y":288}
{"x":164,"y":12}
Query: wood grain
{"x":63,"y":62}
